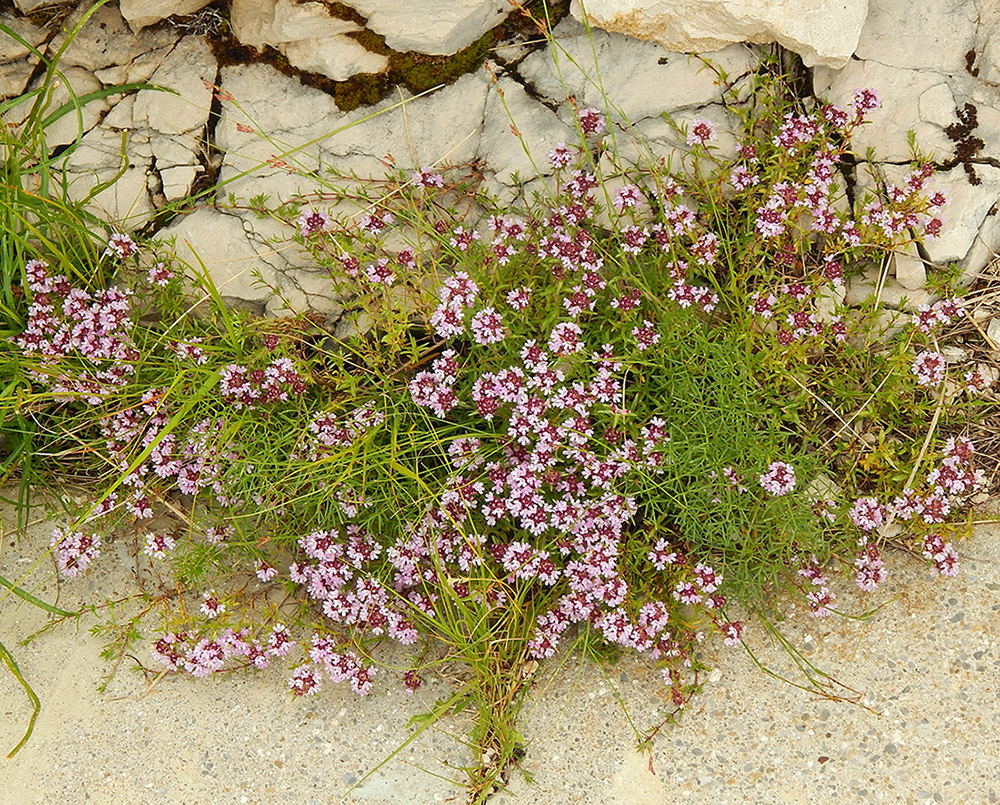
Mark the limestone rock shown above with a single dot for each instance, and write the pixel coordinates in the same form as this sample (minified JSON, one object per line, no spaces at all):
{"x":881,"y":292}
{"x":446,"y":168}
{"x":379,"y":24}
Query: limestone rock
{"x":444,"y":126}
{"x":519,"y":144}
{"x":911,"y":99}
{"x":965,"y":214}
{"x":70,"y":126}
{"x":337,"y":58}
{"x":924,"y":36}
{"x":307,"y":35}
{"x":27,"y":6}
{"x":185,"y":70}
{"x":218,"y":241}
{"x":106,"y":40}
{"x":908,"y":268}
{"x":10,"y":48}
{"x":99,"y":159}
{"x":436,"y":27}
{"x":275,"y":22}
{"x":822,"y":33}
{"x":611,"y":67}
{"x":140,"y":13}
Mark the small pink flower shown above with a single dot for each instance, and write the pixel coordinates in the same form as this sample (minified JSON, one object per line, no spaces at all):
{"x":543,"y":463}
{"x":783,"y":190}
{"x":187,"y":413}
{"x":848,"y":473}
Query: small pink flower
{"x":867,"y":513}
{"x":487,"y":327}
{"x":121,"y":246}
{"x":779,"y":478}
{"x":929,"y":368}
{"x":211,"y":606}
{"x":159,"y":275}
{"x":157,"y":545}
{"x":591,"y":121}
{"x":314,"y":222}
{"x":700,"y":131}
{"x":560,"y":156}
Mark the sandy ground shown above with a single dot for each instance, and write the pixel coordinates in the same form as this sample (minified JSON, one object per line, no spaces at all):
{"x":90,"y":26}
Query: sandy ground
{"x":926,"y":663}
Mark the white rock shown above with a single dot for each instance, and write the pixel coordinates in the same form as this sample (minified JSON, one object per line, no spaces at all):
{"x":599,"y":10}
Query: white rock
{"x":14,"y":77}
{"x":891,"y":294}
{"x":989,"y":54}
{"x":120,"y":116}
{"x":911,"y":99}
{"x":275,"y":22}
{"x":897,"y":297}
{"x":74,"y":123}
{"x":822,"y":33}
{"x":436,"y":27}
{"x":186,"y":69}
{"x":99,"y":159}
{"x":920,"y":36}
{"x":993,"y":333}
{"x":444,"y":126}
{"x":965,"y":214}
{"x":218,"y":241}
{"x":106,"y":40}
{"x":537,"y":128}
{"x":307,"y":35}
{"x":984,"y":249}
{"x":140,"y":13}
{"x":10,"y":48}
{"x":615,"y":72}
{"x":908,"y":268}
{"x":27,"y":6}
{"x":337,"y":57}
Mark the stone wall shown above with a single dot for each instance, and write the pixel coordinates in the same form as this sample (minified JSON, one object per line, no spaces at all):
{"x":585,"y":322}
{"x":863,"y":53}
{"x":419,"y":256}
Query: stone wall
{"x":256,"y":79}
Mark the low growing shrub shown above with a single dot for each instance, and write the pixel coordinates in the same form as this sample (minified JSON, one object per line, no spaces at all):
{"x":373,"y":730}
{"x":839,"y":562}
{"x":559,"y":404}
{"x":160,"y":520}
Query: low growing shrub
{"x":629,"y":406}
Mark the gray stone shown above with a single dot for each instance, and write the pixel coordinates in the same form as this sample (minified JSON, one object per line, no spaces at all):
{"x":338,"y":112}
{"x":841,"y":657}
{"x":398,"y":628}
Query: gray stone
{"x":822,"y":33}
{"x":275,"y":22}
{"x":307,"y":35}
{"x":287,"y":117}
{"x":14,"y":77}
{"x":908,"y":268}
{"x":607,"y":70}
{"x":189,"y":71}
{"x":106,"y":40}
{"x":985,"y":248}
{"x":518,"y":134}
{"x":216,"y":242}
{"x":337,"y":58}
{"x":965,"y":214}
{"x":27,"y":6}
{"x":140,"y":13}
{"x":922,"y":36}
{"x":993,"y":333}
{"x":10,"y":48}
{"x":911,"y":100}
{"x":99,"y":159}
{"x":73,"y":82}
{"x":437,"y":27}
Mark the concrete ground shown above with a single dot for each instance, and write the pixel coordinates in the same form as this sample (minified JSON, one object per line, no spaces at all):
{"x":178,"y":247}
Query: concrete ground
{"x":926,"y":663}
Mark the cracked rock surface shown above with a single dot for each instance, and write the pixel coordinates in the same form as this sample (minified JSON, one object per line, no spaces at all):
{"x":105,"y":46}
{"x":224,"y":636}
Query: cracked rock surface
{"x":936,"y":68}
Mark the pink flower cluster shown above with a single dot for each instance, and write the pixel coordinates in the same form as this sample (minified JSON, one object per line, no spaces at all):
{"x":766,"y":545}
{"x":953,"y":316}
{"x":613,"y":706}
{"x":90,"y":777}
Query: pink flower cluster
{"x":929,"y":368}
{"x":779,"y":478}
{"x":74,"y":551}
{"x":433,"y":389}
{"x":247,"y":388}
{"x":929,"y":317}
{"x":328,"y":433}
{"x":822,"y":599}
{"x":942,"y":554}
{"x":81,"y":340}
{"x":337,"y":574}
{"x":181,"y":651}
